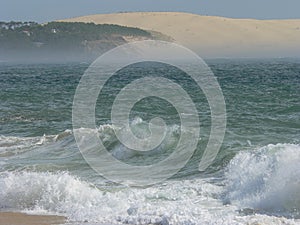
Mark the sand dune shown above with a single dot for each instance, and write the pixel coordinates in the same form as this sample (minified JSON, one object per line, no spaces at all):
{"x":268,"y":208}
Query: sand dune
{"x":214,"y":36}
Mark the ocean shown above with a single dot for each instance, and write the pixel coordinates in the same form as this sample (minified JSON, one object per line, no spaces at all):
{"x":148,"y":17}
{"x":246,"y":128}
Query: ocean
{"x":255,"y":178}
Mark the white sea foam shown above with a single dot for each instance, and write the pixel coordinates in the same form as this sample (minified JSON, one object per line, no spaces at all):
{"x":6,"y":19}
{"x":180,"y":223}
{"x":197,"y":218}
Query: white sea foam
{"x":267,"y":179}
{"x":11,"y":145}
{"x":173,"y":202}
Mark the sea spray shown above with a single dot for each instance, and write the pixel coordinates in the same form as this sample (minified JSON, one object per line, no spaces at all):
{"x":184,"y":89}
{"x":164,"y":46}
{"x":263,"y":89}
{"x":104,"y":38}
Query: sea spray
{"x":266,"y":180}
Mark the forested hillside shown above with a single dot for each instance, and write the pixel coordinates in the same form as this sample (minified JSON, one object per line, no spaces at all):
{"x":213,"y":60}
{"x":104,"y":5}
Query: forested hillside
{"x":62,"y":39}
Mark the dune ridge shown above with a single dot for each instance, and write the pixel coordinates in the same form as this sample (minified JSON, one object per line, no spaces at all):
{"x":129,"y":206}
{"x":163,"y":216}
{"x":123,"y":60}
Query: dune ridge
{"x":213,"y":36}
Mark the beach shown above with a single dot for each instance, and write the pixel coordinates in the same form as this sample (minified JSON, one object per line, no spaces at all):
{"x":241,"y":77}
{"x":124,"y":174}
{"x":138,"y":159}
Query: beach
{"x":14,"y":218}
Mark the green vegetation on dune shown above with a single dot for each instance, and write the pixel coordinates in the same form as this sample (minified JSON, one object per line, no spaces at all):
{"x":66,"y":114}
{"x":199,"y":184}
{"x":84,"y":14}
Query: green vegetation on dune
{"x":58,"y":37}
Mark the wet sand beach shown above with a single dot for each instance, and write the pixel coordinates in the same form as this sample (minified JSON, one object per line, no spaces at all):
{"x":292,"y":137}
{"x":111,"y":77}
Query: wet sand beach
{"x":14,"y":218}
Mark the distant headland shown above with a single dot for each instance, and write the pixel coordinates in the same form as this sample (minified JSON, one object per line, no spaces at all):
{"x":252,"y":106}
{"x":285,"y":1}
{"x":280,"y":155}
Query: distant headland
{"x":87,"y":37}
{"x":63,"y":41}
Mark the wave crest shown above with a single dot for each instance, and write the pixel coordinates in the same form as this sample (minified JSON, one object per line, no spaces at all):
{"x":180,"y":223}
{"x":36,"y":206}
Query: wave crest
{"x":266,"y":180}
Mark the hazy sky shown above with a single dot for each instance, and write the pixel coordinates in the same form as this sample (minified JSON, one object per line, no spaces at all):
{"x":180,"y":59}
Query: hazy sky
{"x":47,"y":10}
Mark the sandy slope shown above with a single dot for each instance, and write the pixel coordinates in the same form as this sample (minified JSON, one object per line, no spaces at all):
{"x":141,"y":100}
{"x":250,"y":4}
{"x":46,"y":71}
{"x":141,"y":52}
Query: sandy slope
{"x":214,"y":36}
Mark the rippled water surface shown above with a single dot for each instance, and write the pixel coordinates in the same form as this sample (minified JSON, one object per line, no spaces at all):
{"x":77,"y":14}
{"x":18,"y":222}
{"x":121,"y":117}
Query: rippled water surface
{"x":254,"y":179}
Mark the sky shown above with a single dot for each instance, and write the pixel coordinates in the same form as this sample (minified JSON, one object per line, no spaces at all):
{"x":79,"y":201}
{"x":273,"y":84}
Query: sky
{"x":48,"y":10}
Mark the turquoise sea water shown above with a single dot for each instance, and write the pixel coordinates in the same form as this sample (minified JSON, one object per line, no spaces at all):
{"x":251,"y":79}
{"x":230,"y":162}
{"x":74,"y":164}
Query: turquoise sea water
{"x":254,"y":179}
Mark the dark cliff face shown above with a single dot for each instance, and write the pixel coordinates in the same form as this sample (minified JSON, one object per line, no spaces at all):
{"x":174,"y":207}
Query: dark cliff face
{"x":57,"y":41}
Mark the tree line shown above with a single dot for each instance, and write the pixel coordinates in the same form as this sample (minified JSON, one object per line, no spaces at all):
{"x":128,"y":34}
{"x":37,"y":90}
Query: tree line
{"x":60,"y":35}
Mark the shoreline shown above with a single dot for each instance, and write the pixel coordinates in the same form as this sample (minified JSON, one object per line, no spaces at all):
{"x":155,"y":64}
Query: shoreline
{"x":19,"y":218}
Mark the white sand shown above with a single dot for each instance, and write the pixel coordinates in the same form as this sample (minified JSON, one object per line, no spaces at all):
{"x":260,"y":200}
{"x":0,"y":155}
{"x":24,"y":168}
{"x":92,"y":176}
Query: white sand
{"x":214,"y":36}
